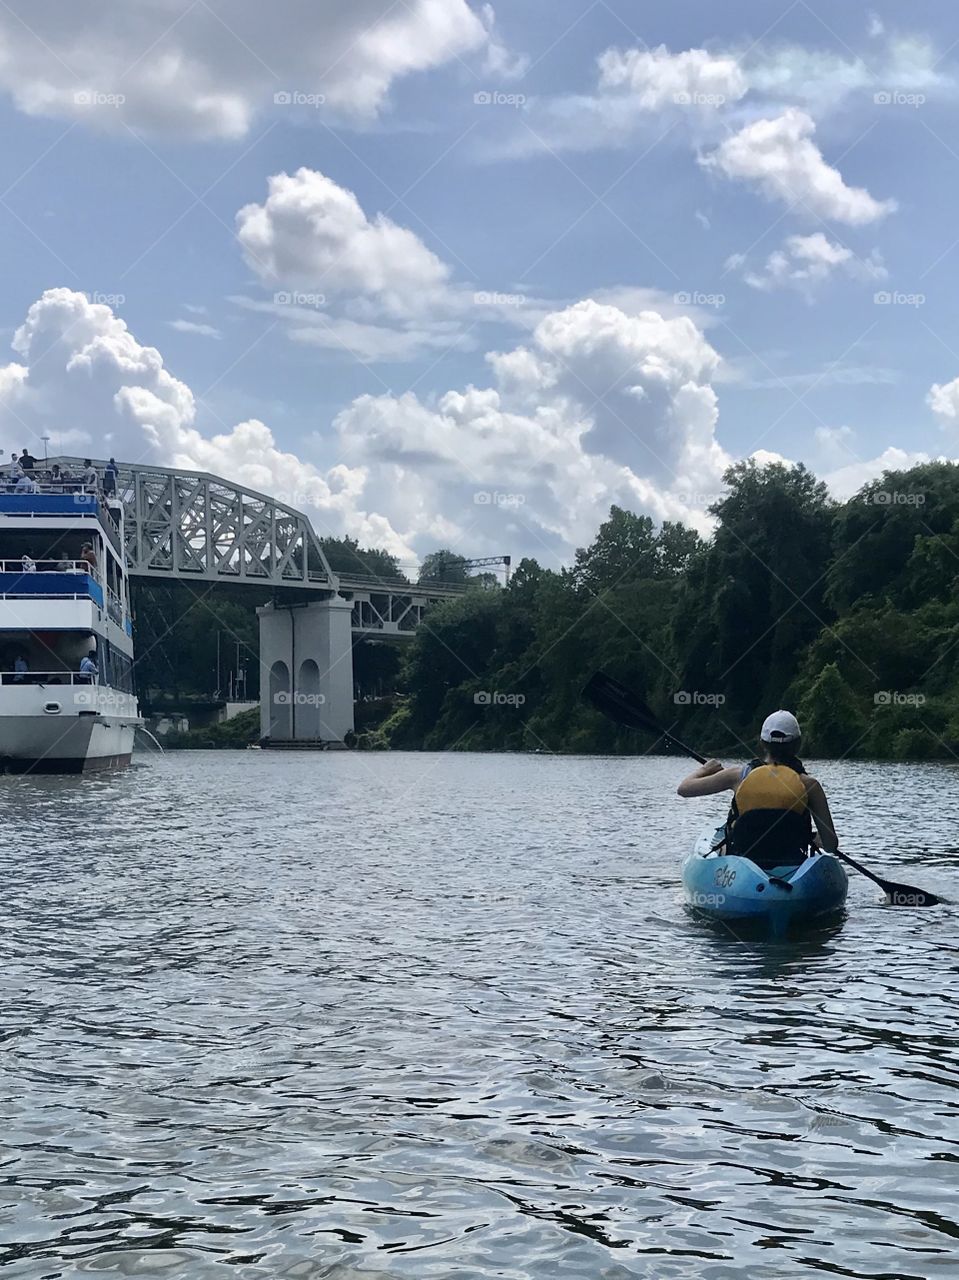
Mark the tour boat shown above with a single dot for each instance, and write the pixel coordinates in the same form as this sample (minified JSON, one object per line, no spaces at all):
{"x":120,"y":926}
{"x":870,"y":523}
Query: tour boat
{"x":67,"y":703}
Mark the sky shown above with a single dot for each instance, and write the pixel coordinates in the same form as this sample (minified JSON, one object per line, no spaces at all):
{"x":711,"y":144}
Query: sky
{"x":440,"y":275}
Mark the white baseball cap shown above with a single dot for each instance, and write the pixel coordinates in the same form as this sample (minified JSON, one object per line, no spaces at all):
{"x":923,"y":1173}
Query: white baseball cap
{"x":781,"y":726}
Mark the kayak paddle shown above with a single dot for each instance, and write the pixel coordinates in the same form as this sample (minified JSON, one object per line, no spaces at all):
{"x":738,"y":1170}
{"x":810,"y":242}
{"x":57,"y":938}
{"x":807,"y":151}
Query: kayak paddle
{"x":625,"y":708}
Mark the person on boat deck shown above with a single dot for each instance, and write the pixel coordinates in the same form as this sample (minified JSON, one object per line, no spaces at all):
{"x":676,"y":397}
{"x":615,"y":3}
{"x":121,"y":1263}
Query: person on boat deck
{"x":775,"y":801}
{"x":27,"y":460}
{"x":110,"y":478}
{"x":20,"y":667}
{"x":28,"y":563}
{"x":88,"y":668}
{"x":90,"y":477}
{"x":89,"y":555}
{"x":26,"y":484}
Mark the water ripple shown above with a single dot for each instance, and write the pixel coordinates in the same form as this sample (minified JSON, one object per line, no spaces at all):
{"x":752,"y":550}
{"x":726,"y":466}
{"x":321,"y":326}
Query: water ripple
{"x":375,"y":1018}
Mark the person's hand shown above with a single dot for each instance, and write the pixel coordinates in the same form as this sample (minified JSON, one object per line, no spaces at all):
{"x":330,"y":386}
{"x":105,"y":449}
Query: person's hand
{"x":817,"y":842}
{"x":710,"y":767}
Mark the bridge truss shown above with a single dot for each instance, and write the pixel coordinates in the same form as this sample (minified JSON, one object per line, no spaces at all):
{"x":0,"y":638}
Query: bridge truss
{"x":193,"y":526}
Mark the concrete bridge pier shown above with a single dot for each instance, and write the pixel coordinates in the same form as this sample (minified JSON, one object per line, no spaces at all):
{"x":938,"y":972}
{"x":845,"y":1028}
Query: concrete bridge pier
{"x":306,"y":666}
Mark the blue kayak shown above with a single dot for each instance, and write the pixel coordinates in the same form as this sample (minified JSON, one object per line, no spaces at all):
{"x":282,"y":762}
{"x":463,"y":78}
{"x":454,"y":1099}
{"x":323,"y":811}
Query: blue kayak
{"x":727,"y":887}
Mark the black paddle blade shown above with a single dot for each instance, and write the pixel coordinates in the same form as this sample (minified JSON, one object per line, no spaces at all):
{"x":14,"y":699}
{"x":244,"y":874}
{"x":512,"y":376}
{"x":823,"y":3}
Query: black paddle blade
{"x":897,"y":895}
{"x":619,"y":703}
{"x":906,"y":895}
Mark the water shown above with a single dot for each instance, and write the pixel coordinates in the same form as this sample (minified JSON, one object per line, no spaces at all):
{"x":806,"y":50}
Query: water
{"x":395,"y":1016}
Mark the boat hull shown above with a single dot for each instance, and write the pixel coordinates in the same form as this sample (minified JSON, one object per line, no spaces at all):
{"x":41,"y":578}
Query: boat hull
{"x":65,"y":743}
{"x":730,"y":888}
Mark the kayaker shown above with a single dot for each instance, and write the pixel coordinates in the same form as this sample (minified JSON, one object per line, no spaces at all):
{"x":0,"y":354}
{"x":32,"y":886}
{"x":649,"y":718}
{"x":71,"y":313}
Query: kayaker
{"x":775,"y":800}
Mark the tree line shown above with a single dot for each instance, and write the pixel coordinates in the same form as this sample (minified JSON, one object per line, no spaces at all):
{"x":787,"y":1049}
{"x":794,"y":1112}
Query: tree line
{"x":846,"y":612}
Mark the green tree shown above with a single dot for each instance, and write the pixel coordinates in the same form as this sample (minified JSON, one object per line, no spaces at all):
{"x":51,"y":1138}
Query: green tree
{"x":832,"y":719}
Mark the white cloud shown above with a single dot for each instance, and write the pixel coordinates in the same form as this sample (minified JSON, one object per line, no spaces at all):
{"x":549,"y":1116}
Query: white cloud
{"x":944,"y":401}
{"x":80,"y":365}
{"x":598,"y":407}
{"x":780,"y":158}
{"x":357,"y":283}
{"x":805,"y":263}
{"x":191,"y":326}
{"x":312,"y":234}
{"x":204,"y":71}
{"x":638,"y":90}
{"x":849,"y":479}
{"x":656,"y":78}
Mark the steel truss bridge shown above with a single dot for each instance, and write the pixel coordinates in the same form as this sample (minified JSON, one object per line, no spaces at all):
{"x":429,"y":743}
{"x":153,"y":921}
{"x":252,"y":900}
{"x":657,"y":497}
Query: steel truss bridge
{"x":190,"y":526}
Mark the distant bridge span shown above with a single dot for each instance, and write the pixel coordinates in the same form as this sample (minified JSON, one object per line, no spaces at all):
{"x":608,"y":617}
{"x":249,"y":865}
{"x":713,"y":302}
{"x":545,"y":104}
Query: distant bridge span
{"x":190,"y":526}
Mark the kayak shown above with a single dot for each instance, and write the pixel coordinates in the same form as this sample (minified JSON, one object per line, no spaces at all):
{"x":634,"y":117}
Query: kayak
{"x":727,"y":887}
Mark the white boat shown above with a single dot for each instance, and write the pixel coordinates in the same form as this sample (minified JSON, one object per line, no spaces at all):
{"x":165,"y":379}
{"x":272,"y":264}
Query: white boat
{"x":64,"y":597}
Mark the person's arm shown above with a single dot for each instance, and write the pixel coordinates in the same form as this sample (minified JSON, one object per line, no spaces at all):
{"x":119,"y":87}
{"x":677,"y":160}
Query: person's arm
{"x":819,"y":809}
{"x":709,"y":779}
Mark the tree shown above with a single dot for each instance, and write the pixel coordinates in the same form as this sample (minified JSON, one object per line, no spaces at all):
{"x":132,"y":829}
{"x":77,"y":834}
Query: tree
{"x":443,"y":566}
{"x":832,"y":719}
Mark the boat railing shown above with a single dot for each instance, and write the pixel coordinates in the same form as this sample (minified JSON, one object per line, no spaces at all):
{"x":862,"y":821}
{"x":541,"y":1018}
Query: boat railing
{"x":114,"y":606}
{"x":28,"y":484}
{"x":27,"y":565}
{"x":46,"y":677}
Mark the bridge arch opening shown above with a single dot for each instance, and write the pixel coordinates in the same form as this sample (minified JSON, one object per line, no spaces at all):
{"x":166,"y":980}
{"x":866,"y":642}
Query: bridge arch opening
{"x":281,"y":702}
{"x":309,"y":702}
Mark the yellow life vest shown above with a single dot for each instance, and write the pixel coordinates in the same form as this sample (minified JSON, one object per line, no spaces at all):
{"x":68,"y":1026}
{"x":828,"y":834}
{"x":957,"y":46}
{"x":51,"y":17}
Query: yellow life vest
{"x":771,"y":786}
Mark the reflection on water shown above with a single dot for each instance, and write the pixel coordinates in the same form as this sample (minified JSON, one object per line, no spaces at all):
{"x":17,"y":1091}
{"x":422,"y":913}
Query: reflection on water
{"x":398,"y":1016}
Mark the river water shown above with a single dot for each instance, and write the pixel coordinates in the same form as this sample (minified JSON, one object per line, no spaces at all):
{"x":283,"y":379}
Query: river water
{"x":383,"y":1017}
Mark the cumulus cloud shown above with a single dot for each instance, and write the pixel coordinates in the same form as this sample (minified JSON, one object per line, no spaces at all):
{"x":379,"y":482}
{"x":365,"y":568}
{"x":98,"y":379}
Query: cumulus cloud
{"x":805,"y":263}
{"x":312,"y":234}
{"x":844,"y":481}
{"x":780,"y":158}
{"x":359,"y":283}
{"x":639,"y":89}
{"x":657,"y":78}
{"x":597,"y":407}
{"x":208,"y":70}
{"x":80,"y":365}
{"x":943,"y":400}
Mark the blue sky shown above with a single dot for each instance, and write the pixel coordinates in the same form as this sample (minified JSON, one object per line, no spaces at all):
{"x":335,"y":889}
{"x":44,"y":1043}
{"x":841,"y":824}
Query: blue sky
{"x":682,"y":232}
